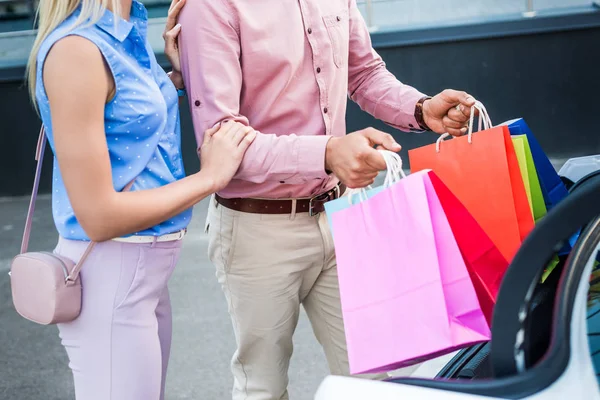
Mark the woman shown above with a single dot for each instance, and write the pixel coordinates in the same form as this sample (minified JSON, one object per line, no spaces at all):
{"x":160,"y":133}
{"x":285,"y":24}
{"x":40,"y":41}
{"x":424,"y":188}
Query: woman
{"x":111,"y":117}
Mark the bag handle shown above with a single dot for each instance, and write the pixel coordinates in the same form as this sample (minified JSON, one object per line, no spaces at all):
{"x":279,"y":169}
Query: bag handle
{"x":484,"y":122}
{"x":39,"y":157}
{"x":394,"y":168}
{"x":393,"y":175}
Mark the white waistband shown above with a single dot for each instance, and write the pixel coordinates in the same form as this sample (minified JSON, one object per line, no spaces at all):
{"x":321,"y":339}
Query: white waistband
{"x":170,"y":237}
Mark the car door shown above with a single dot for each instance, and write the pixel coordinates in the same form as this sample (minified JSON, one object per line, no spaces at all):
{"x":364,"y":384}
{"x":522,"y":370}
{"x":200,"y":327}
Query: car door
{"x":565,"y":370}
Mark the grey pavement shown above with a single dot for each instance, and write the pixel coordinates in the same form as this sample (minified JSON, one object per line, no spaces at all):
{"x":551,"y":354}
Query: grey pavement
{"x":33,"y":364}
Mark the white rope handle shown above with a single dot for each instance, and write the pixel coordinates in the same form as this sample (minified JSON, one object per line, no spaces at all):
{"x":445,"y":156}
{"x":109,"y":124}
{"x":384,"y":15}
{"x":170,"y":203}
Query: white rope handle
{"x":484,"y":122}
{"x":394,"y":168}
{"x":484,"y":119}
{"x":361,"y":192}
{"x":393,"y":175}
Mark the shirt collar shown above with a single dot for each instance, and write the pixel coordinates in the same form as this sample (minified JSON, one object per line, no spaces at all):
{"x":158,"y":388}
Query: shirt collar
{"x":123,"y":28}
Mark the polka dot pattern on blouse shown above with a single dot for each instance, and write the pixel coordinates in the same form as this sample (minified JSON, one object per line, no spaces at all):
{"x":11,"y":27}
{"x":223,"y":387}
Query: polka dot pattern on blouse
{"x":141,"y":121}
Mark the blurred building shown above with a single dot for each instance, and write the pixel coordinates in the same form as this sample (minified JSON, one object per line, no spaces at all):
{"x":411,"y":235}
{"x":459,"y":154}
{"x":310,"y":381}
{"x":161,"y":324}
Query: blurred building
{"x":537,"y":59}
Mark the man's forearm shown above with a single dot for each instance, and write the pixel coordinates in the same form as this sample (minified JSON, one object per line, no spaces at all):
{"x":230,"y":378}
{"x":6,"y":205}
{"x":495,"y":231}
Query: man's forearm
{"x":286,"y":158}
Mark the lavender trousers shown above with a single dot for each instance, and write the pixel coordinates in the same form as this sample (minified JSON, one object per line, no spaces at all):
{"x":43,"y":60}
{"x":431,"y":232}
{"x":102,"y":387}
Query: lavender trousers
{"x":119,"y":345}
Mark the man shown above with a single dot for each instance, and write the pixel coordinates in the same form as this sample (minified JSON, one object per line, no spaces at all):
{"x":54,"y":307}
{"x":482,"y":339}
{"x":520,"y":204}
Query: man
{"x":285,"y":67}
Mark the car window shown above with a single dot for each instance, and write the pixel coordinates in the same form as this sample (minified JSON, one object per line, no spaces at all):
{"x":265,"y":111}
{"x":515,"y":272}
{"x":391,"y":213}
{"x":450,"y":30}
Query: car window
{"x":593,"y":316}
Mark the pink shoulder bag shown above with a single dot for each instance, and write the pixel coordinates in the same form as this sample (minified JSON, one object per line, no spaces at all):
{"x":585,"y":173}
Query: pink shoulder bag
{"x":45,"y":286}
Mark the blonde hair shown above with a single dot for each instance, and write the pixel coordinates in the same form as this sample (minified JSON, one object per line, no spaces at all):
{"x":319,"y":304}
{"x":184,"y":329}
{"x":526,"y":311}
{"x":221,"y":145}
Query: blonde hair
{"x":50,"y":14}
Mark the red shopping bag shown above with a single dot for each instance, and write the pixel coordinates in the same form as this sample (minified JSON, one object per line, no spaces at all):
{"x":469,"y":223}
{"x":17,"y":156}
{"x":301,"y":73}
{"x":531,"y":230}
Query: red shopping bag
{"x":483,"y":172}
{"x":485,"y":263}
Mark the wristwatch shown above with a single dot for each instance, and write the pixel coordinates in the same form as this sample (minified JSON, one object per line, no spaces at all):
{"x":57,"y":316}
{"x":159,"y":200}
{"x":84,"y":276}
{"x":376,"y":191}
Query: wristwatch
{"x":180,"y":91}
{"x":419,"y":113}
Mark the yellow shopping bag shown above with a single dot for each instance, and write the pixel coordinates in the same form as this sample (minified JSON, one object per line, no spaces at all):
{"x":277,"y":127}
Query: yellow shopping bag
{"x":530,"y":176}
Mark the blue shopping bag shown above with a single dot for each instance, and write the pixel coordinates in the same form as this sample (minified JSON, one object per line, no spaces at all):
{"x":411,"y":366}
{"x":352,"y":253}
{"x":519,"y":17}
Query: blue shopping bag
{"x":553,"y":189}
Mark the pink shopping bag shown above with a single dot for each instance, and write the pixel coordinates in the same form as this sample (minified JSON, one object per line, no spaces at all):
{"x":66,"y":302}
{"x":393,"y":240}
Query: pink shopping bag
{"x":405,"y":290}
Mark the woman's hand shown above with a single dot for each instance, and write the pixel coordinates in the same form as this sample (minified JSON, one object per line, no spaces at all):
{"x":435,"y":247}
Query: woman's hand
{"x":73,"y":67}
{"x":223,"y":150}
{"x":170,"y":34}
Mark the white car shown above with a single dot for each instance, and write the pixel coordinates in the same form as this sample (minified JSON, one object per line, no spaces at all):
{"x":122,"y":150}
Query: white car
{"x":545,"y":336}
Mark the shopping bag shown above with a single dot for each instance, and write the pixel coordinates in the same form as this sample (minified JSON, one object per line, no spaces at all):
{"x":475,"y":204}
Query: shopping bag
{"x":520,"y":153}
{"x":530,"y":178}
{"x":353,"y":197}
{"x":485,"y":263}
{"x":553,"y":189}
{"x":405,"y":291}
{"x":482,"y":170}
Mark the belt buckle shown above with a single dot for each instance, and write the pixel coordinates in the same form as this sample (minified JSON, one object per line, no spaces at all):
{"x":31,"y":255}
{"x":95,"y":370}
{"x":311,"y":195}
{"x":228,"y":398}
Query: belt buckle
{"x":318,"y":197}
{"x":181,"y":234}
{"x":335,"y":192}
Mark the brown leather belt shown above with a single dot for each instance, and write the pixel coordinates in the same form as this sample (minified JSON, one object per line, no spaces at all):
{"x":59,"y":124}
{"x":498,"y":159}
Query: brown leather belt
{"x":313,"y":206}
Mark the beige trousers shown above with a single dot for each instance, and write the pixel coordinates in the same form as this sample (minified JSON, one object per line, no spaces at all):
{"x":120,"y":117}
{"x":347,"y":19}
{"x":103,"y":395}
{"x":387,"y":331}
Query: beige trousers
{"x":268,"y":265}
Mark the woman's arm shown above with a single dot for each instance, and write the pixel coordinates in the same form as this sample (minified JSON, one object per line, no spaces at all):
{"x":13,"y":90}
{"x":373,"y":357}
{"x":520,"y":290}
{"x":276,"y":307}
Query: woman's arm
{"x":77,"y":82}
{"x":170,"y":35}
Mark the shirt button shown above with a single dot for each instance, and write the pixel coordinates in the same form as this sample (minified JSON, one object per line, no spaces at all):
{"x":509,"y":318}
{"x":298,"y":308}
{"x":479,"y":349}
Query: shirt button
{"x":318,"y":70}
{"x":325,"y":110}
{"x":338,"y":18}
{"x":197,"y":103}
{"x":309,"y":31}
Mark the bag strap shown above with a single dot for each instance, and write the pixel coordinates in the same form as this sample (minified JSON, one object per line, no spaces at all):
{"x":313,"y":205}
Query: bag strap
{"x":39,"y":157}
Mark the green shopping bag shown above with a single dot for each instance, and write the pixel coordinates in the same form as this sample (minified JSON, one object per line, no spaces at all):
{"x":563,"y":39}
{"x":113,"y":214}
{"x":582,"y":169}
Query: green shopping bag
{"x":530,"y":176}
{"x":533,"y":188}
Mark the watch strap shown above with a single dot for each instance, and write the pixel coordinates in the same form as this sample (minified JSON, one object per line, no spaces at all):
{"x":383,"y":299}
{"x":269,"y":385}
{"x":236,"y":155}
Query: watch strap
{"x":419,"y":117}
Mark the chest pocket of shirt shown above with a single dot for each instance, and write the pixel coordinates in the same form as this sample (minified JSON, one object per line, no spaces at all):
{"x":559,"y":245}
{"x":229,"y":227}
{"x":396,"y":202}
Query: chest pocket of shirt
{"x":338,"y":31}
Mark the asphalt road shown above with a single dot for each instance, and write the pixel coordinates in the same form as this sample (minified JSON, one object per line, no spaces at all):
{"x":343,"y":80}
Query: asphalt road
{"x":33,"y":364}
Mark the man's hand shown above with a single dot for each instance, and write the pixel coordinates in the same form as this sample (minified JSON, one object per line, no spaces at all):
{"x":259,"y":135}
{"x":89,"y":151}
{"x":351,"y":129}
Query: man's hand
{"x":448,"y":112}
{"x":353,"y":159}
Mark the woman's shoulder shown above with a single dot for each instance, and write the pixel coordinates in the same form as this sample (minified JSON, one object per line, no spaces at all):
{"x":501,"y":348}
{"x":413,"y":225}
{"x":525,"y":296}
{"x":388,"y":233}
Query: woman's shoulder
{"x":69,"y":27}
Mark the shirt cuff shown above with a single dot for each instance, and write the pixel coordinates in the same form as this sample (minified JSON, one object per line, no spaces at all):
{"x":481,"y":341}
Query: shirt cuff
{"x":311,"y":156}
{"x":408,"y":111}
